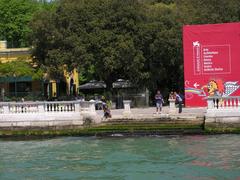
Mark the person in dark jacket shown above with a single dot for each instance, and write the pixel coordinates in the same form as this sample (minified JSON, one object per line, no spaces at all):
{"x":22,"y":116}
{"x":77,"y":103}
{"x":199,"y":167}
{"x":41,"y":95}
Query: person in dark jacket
{"x":159,"y":102}
{"x":106,"y":110}
{"x":179,"y":100}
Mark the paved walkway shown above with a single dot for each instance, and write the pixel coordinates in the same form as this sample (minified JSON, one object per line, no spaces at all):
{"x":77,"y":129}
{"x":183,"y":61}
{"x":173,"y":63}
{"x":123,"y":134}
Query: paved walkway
{"x":151,"y":112}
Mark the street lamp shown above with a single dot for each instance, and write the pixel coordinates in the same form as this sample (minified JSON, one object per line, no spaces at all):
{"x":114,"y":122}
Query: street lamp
{"x":15,"y":85}
{"x":2,"y":93}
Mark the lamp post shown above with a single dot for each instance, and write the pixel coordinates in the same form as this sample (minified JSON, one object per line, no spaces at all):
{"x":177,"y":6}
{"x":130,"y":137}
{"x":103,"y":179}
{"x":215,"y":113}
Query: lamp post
{"x":2,"y":92}
{"x":15,"y":85}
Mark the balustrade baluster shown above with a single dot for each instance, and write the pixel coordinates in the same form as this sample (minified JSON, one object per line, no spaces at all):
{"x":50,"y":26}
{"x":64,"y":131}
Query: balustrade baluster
{"x":229,"y":103}
{"x":220,"y":104}
{"x":224,"y":103}
{"x":234,"y":102}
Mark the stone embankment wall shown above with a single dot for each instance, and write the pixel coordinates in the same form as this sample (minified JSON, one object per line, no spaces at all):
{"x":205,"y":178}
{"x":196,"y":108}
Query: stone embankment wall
{"x":45,"y":115}
{"x":80,"y":118}
{"x":223,"y":115}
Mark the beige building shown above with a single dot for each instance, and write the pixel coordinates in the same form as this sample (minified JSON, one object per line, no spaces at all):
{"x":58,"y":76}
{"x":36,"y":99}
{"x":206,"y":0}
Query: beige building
{"x":23,"y":86}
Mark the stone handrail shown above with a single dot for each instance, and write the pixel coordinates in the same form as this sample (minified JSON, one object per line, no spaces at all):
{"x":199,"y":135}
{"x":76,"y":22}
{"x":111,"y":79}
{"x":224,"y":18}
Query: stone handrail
{"x":46,"y":107}
{"x":59,"y":106}
{"x":219,"y":102}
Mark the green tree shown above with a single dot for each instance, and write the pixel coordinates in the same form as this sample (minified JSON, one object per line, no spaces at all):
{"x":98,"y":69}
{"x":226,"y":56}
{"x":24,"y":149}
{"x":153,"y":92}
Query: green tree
{"x":20,"y":68}
{"x":15,"y":17}
{"x":206,"y":12}
{"x":162,"y":47}
{"x":97,"y":35}
{"x":138,"y":40}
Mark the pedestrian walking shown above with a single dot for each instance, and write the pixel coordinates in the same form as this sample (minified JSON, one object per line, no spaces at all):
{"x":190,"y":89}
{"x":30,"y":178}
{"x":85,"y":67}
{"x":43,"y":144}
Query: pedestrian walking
{"x":159,"y":102}
{"x":179,"y":101}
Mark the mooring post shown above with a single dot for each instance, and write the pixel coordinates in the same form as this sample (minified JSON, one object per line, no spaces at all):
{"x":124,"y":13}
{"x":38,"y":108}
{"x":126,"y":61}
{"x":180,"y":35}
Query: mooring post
{"x":172,"y":107}
{"x":127,"y":108}
{"x":5,"y":108}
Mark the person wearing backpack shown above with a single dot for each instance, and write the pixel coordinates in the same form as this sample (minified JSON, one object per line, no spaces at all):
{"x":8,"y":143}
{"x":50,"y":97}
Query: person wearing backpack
{"x":179,"y":100}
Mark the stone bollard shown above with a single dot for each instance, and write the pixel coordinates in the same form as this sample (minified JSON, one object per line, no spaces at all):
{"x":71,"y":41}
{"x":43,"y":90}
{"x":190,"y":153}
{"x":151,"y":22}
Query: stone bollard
{"x":210,"y":104}
{"x":77,"y":107}
{"x":92,"y":109}
{"x":172,"y":107}
{"x":5,"y":108}
{"x":127,"y":109}
{"x":41,"y":108}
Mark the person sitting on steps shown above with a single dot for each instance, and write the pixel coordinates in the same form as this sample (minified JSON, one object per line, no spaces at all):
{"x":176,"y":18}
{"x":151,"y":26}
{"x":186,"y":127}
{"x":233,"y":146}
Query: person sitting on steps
{"x":106,"y":110}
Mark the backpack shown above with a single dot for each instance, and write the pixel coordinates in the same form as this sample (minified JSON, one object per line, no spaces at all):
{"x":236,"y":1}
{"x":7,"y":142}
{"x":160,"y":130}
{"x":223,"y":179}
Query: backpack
{"x":179,"y":98}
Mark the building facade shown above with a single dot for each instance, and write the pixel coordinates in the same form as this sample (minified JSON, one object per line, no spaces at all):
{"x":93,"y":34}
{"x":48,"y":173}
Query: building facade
{"x":22,"y":86}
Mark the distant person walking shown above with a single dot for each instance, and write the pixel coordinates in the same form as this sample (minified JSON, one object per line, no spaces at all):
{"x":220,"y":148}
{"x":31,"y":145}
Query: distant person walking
{"x":159,"y":102}
{"x":179,"y":100}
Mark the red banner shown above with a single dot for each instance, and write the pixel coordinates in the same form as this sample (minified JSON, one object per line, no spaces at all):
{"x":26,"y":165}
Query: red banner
{"x":211,"y":61}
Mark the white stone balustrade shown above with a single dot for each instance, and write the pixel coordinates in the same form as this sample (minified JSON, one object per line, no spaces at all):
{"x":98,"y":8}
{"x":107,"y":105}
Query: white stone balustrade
{"x":218,"y":102}
{"x":223,"y":109}
{"x":47,"y":106}
{"x":54,"y":113}
{"x":60,"y":106}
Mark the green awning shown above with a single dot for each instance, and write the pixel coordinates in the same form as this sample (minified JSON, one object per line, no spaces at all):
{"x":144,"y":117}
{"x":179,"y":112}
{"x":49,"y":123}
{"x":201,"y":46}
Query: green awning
{"x":15,"y":79}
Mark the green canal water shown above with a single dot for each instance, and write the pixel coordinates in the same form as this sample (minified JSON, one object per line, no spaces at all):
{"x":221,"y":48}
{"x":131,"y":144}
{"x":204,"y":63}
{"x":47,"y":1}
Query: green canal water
{"x":163,"y":157}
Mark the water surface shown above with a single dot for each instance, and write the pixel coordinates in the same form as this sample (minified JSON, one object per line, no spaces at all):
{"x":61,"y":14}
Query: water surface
{"x":163,"y":157}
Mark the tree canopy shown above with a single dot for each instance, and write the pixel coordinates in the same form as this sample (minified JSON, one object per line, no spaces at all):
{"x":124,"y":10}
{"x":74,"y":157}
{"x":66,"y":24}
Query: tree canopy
{"x":20,"y":68}
{"x":15,"y":17}
{"x":138,"y":40}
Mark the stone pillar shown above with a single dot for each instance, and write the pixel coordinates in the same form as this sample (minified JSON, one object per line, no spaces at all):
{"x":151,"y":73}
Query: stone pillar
{"x":41,"y":108}
{"x":210,"y":104}
{"x":77,"y":106}
{"x":3,"y":44}
{"x":92,"y":109}
{"x":172,"y":107}
{"x":127,"y":109}
{"x":147,"y":96}
{"x":5,"y":108}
